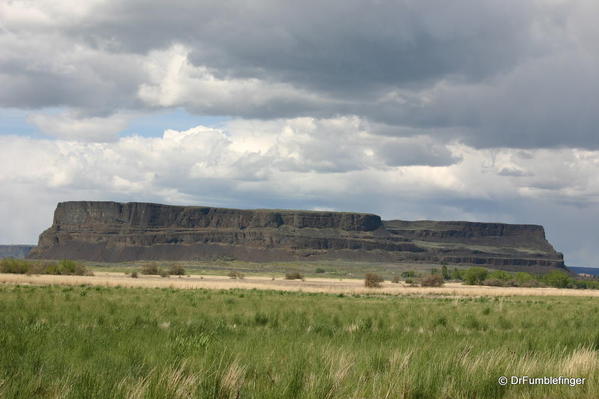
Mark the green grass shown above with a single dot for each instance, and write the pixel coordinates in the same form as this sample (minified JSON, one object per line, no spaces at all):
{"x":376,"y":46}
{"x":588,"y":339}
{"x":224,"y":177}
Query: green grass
{"x":96,"y":342}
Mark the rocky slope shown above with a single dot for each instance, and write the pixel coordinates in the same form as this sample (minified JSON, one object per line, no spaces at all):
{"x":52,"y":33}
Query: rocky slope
{"x":110,"y":231}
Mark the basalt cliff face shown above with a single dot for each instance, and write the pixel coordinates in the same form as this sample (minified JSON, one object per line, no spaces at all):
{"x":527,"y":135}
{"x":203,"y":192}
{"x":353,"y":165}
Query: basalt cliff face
{"x":111,"y":231}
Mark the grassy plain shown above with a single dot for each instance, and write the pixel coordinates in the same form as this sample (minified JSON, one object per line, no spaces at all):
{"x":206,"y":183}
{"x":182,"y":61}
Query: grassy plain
{"x":346,"y":286}
{"x":111,"y":342}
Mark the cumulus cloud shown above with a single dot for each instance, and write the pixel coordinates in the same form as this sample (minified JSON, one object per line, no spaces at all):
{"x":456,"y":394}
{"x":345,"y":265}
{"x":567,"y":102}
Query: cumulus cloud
{"x":72,"y":126}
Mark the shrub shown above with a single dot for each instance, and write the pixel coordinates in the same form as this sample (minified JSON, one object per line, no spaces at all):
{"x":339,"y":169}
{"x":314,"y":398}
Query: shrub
{"x":67,"y":266}
{"x":557,"y":278}
{"x":176,"y":270}
{"x":395,"y":279}
{"x":456,"y":274}
{"x":372,"y":280}
{"x":522,"y":277}
{"x":150,"y":269}
{"x":494,"y":282}
{"x":134,"y":275}
{"x":433,"y":280}
{"x":10,"y":265}
{"x":408,"y":273}
{"x":531,"y":283}
{"x":163,"y":273}
{"x":500,"y":275}
{"x":320,"y":270}
{"x":294,"y":276}
{"x":410,"y":281}
{"x":235,"y":275}
{"x":22,"y":266}
{"x":475,"y":275}
{"x":445,"y":272}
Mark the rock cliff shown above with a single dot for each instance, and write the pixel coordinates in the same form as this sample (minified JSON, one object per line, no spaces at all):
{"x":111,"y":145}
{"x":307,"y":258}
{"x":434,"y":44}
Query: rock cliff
{"x":111,"y":231}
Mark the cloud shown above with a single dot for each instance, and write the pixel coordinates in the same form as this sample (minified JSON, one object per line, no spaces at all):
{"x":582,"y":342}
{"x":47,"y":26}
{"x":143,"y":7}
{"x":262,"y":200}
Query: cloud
{"x":71,"y":126}
{"x":498,"y":73}
{"x":175,"y":82}
{"x":412,"y":109}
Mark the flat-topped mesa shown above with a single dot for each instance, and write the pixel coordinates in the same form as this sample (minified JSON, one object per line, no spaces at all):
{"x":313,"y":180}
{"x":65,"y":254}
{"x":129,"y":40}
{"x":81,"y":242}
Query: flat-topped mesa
{"x":147,"y":215}
{"x":112,"y":231}
{"x":529,"y":236}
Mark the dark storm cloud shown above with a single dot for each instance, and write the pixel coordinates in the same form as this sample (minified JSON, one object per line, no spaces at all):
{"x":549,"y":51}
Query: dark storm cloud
{"x":497,"y":73}
{"x":335,"y":46}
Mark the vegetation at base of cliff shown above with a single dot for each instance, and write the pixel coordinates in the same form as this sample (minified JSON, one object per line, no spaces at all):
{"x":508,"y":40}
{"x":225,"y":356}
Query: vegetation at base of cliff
{"x":500,"y":278}
{"x":74,"y":342}
{"x":294,"y":276}
{"x":63,"y":267}
{"x":153,"y":269}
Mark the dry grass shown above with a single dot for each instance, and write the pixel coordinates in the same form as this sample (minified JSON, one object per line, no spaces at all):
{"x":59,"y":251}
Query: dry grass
{"x":325,"y":285}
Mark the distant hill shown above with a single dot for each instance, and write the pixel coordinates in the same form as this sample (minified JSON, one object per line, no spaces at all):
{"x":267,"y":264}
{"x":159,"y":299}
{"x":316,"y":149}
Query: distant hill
{"x":15,"y":251}
{"x":588,"y":270}
{"x":113,"y":232}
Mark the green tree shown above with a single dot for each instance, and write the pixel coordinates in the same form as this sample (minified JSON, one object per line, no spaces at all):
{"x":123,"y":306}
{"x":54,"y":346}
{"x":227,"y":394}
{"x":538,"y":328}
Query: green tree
{"x":500,"y":275}
{"x":475,"y":275}
{"x":445,"y":272}
{"x":456,"y":274}
{"x":557,"y":278}
{"x":523,"y":277}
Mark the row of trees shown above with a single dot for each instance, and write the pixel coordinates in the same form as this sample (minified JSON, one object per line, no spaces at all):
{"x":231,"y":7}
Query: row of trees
{"x":482,"y":276}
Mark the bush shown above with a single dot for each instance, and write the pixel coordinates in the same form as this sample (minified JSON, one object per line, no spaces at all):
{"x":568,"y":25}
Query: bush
{"x":150,"y":269}
{"x":456,"y":274}
{"x":522,"y":277}
{"x":395,"y":279}
{"x":235,"y":275}
{"x":557,"y":278}
{"x":294,"y":276}
{"x":433,"y":280}
{"x":163,"y":273}
{"x":71,"y":267}
{"x":320,"y":270}
{"x":176,"y":270}
{"x":22,"y":266}
{"x":372,"y":280}
{"x":495,"y":282}
{"x":500,"y":275}
{"x":531,"y":283}
{"x":475,"y":275}
{"x":445,"y":272}
{"x":134,"y":275}
{"x":408,"y":273}
{"x":10,"y":265}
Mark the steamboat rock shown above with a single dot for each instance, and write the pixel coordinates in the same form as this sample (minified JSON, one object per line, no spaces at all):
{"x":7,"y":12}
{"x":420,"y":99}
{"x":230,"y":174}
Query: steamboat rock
{"x":113,"y":232}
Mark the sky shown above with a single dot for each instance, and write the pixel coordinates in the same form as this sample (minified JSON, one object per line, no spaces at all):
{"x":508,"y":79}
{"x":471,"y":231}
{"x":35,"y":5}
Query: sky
{"x":410,"y":109}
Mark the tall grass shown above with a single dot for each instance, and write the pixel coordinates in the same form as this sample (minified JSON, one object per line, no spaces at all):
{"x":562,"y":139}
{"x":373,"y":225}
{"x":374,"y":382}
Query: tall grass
{"x":102,"y":342}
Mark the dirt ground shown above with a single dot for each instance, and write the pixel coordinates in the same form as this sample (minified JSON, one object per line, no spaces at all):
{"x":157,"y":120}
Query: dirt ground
{"x":325,"y":285}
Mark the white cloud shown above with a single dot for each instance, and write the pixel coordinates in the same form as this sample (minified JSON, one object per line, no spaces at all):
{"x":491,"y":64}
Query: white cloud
{"x":73,"y":126}
{"x":174,"y":82}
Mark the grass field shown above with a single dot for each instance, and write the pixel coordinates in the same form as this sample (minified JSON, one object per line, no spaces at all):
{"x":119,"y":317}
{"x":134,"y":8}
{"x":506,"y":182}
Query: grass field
{"x":311,"y":285}
{"x":109,"y":342}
